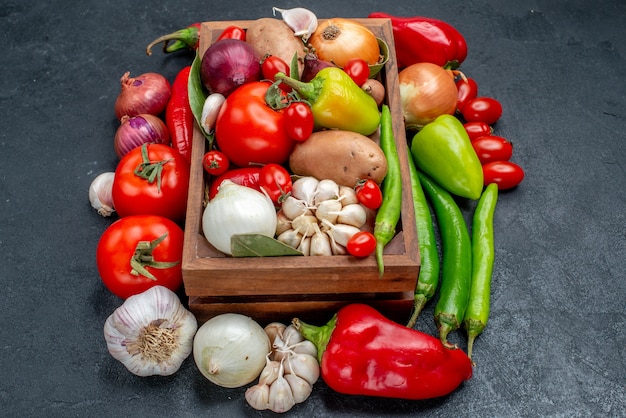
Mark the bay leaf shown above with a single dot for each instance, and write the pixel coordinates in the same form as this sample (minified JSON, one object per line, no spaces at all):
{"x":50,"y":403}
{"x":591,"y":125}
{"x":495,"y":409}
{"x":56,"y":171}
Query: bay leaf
{"x":258,"y":245}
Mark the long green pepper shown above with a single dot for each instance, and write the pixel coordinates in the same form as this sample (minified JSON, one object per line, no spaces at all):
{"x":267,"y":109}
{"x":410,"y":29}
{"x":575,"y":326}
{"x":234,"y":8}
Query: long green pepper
{"x":456,"y":271}
{"x":388,"y":213}
{"x":428,"y":278}
{"x":483,"y":254}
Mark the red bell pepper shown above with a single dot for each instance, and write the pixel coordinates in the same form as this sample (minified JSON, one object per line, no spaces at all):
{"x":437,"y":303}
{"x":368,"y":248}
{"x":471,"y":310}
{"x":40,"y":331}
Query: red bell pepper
{"x":424,"y":39}
{"x":361,"y":352}
{"x":178,"y":115}
{"x":188,"y":37}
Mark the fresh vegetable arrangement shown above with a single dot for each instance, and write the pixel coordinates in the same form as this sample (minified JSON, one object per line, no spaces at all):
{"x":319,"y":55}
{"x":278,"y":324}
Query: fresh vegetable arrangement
{"x":301,"y":160}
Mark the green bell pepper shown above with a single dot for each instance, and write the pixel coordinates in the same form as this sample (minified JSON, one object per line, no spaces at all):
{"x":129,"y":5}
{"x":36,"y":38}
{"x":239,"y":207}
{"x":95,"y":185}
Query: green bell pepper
{"x":443,"y":150}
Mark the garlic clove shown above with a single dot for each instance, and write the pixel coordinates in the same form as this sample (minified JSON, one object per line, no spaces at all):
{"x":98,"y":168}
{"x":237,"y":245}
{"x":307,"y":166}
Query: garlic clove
{"x":269,"y":374}
{"x":151,"y":333}
{"x":258,"y":396}
{"x":304,"y":366}
{"x":280,"y":395}
{"x":101,"y":193}
{"x":300,"y":388}
{"x":305,"y":347}
{"x":210,"y":109}
{"x":302,"y":21}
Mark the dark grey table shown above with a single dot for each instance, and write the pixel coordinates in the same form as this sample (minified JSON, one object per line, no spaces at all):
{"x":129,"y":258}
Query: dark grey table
{"x":556,"y":342}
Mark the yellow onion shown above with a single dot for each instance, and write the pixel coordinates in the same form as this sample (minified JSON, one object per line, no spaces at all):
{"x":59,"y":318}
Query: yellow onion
{"x":339,"y":40}
{"x":426,"y":91}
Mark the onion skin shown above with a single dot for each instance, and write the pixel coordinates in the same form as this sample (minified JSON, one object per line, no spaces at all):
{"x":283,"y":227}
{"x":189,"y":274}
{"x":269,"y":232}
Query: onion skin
{"x":426,"y":91}
{"x":138,"y":130}
{"x":227,"y":64}
{"x":339,"y":40}
{"x":146,"y":93}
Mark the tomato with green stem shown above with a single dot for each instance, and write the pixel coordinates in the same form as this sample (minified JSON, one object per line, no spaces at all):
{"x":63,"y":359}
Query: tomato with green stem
{"x":358,"y":70}
{"x":215,"y":162}
{"x":138,"y":252}
{"x":275,"y":180}
{"x":361,"y":244}
{"x":369,"y":194}
{"x":299,"y":121}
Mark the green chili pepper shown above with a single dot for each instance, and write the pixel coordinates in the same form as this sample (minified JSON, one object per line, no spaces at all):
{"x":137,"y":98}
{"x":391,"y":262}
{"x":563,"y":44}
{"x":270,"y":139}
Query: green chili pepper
{"x":483,"y":251}
{"x":428,"y":278}
{"x":456,"y":272}
{"x":336,"y":101}
{"x":442,"y":149}
{"x":388,"y":213}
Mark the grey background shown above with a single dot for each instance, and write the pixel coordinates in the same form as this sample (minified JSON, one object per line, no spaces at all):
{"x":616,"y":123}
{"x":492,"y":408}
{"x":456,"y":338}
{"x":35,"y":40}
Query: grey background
{"x":556,"y":342}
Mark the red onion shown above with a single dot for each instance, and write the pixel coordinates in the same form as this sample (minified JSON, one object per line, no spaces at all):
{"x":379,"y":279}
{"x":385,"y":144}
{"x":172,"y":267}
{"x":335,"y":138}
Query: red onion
{"x":147,"y":93}
{"x":227,"y":64}
{"x":138,"y":130}
{"x":312,"y":65}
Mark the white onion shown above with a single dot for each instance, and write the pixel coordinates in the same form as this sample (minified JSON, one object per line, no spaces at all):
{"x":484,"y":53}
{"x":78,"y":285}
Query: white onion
{"x":230,"y":350}
{"x":235,"y":210}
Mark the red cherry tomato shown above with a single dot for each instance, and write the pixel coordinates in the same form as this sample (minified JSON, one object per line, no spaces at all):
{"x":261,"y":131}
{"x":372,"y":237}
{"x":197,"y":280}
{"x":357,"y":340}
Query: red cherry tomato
{"x":233,"y":32}
{"x":467,"y":90}
{"x":276,"y":182}
{"x":477,"y":129}
{"x":245,"y":176}
{"x":361,"y":244}
{"x":369,"y":194}
{"x":358,"y":70}
{"x":299,"y":121}
{"x":152,"y":179}
{"x":492,"y":148}
{"x":248,"y":131}
{"x":136,"y":238}
{"x":272,"y":65}
{"x":482,"y":109}
{"x":504,"y":173}
{"x":215,"y":162}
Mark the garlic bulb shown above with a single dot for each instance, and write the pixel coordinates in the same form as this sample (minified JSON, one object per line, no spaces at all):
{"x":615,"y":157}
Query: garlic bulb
{"x":302,"y":21}
{"x":151,"y":333}
{"x":100,"y":193}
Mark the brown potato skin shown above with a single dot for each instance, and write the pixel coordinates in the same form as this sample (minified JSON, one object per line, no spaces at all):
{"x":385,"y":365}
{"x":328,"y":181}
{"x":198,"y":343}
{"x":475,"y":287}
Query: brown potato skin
{"x":269,"y":36}
{"x":342,"y":156}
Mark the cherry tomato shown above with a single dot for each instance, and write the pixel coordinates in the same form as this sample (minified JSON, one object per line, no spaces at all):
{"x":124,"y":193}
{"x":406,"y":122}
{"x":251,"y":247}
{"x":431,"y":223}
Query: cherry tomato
{"x":369,"y":194}
{"x":215,"y":162}
{"x":358,"y":70}
{"x":467,"y":90}
{"x":477,"y":129}
{"x":248,"y":131}
{"x":132,"y":243}
{"x":232,"y":32}
{"x":299,"y":121}
{"x":492,"y":148}
{"x":505,"y":174}
{"x":272,"y":65}
{"x":276,"y":182}
{"x":245,"y":176}
{"x":361,"y":244}
{"x":482,"y":109}
{"x":152,"y":179}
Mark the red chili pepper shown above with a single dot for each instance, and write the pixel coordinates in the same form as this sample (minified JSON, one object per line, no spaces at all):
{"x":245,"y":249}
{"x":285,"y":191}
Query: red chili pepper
{"x":363,"y":353}
{"x":178,"y":115}
{"x":188,"y":37}
{"x":245,"y":176}
{"x":424,"y":39}
{"x":232,"y":32}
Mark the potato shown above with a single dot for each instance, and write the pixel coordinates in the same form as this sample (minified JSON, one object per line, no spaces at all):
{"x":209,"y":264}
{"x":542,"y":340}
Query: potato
{"x":272,"y":36}
{"x":342,"y":156}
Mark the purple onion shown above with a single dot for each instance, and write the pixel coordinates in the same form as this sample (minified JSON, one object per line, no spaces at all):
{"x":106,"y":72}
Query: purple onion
{"x":138,"y":130}
{"x":227,"y":64}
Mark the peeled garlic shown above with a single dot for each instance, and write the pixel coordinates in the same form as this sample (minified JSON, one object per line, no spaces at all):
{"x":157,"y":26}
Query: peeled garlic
{"x":210,"y":109}
{"x":302,"y":21}
{"x":100,"y":193}
{"x":151,"y":333}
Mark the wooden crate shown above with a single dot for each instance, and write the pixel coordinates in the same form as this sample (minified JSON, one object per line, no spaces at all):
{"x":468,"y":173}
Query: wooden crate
{"x":312,"y":288}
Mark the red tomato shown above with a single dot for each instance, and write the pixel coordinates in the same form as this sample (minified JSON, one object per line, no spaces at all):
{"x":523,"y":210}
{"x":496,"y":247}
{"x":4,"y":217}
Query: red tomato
{"x":233,"y":32}
{"x":467,"y":90}
{"x":482,"y":109}
{"x":248,"y":131}
{"x":361,"y":244}
{"x":215,"y":162}
{"x":492,"y":148}
{"x":161,"y":186}
{"x":369,"y":194}
{"x":245,"y":176}
{"x":132,"y":243}
{"x":504,"y":173}
{"x":276,"y":182}
{"x":299,"y":121}
{"x":477,"y":129}
{"x":358,"y":70}
{"x":272,"y":65}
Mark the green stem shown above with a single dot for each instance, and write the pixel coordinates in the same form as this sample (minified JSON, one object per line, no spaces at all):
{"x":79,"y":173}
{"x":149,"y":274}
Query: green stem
{"x":308,"y":91}
{"x":143,"y":258}
{"x":150,"y":170}
{"x":317,"y":335}
{"x":418,"y":305}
